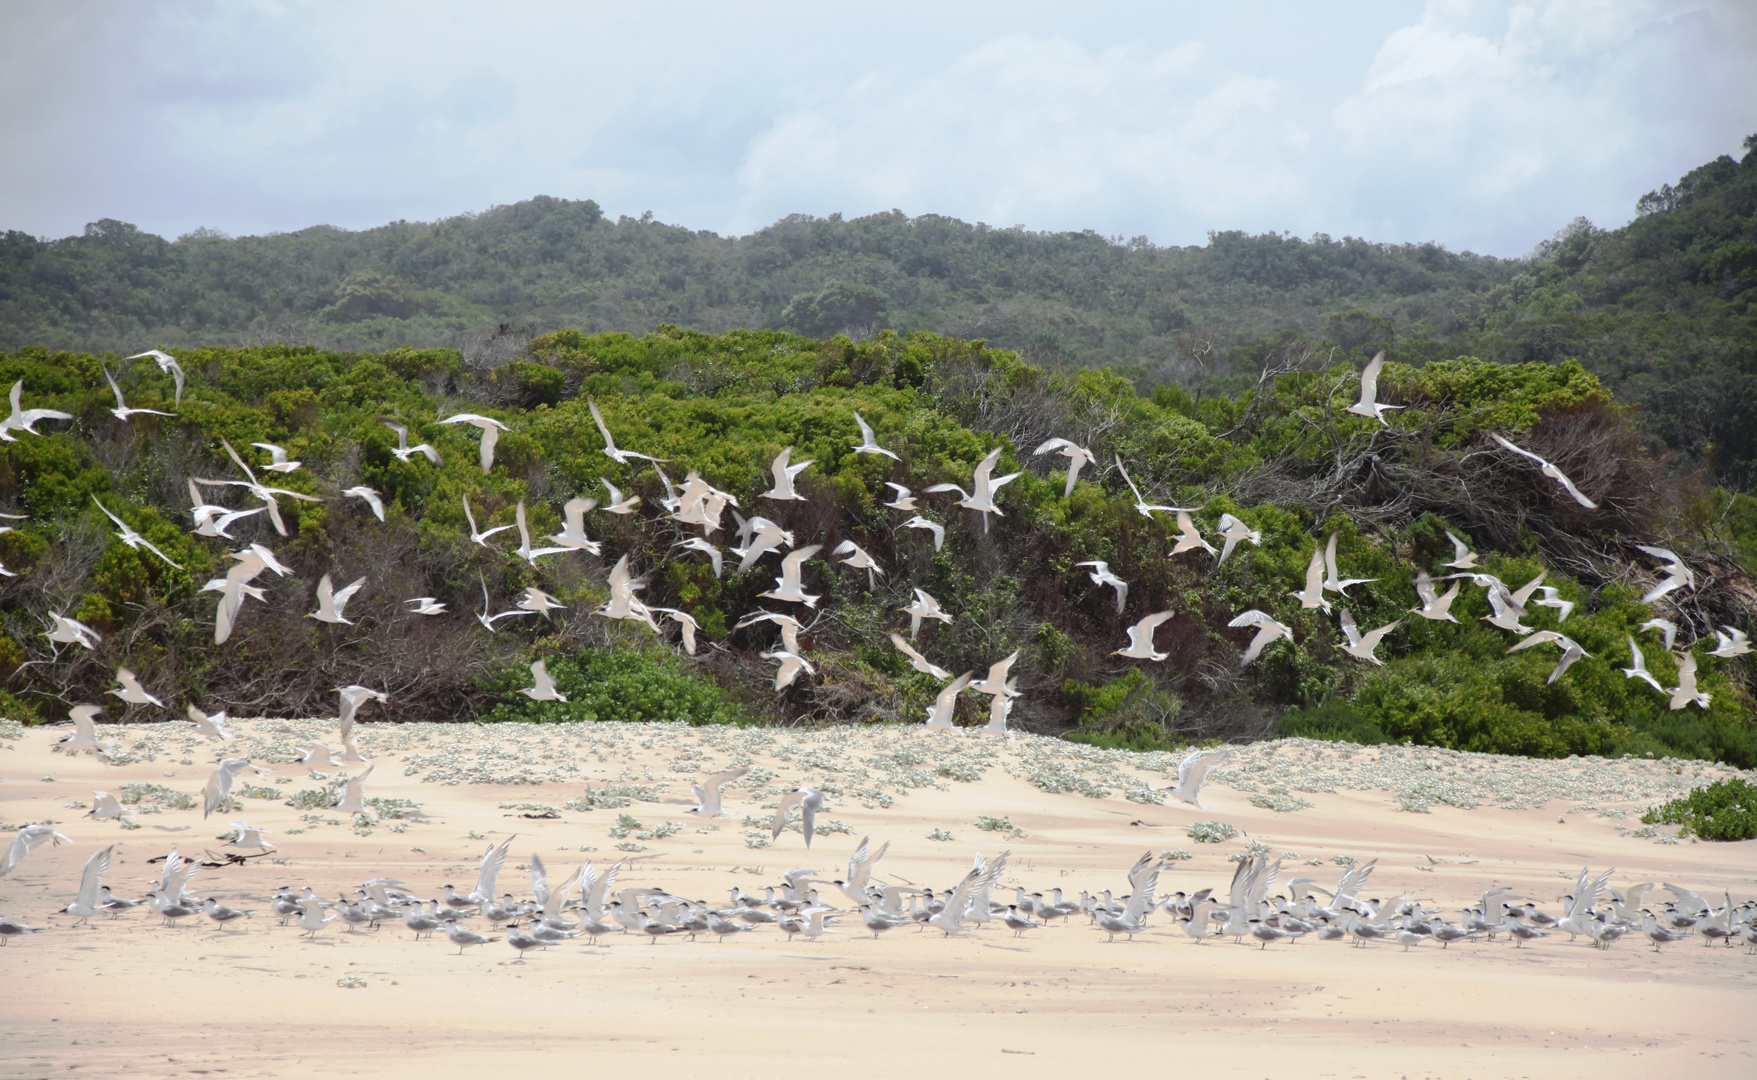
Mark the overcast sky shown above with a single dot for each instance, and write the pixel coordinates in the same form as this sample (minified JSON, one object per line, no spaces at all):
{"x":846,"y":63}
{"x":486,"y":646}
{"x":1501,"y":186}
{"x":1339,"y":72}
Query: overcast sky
{"x":1484,"y":126}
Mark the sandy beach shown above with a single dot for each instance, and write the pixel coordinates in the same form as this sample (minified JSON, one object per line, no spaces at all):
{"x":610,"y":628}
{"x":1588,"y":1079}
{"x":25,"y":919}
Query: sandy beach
{"x":129,"y":996}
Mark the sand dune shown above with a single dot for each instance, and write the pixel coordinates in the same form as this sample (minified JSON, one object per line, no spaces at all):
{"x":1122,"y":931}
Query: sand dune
{"x":129,"y":996}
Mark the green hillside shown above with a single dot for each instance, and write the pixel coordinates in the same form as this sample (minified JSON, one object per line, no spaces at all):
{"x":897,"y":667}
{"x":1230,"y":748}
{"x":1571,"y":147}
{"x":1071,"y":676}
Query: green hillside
{"x":1660,"y":309}
{"x":1285,"y":458}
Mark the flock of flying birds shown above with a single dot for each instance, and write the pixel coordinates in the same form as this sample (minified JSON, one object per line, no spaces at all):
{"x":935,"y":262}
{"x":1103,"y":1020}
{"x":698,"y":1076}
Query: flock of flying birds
{"x":796,"y":907}
{"x":553,"y":915}
{"x":698,"y":503}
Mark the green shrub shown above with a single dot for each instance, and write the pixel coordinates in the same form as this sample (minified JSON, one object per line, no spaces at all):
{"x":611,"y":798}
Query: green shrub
{"x":1723,"y":810}
{"x":1498,"y":707}
{"x":614,"y":684}
{"x":1732,"y":740}
{"x":1128,"y":713}
{"x":14,"y":709}
{"x":1333,"y":720}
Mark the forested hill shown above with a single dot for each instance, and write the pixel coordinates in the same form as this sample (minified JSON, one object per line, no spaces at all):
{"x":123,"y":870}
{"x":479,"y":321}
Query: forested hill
{"x":548,"y":263}
{"x":1659,"y":309}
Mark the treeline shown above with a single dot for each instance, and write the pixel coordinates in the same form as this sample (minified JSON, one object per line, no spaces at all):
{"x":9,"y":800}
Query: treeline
{"x":1284,"y":457}
{"x":1059,"y":298}
{"x":1659,"y":309}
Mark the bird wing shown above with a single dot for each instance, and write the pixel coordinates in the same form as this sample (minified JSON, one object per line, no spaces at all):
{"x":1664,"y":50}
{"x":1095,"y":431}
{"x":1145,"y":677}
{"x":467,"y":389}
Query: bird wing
{"x":227,"y":611}
{"x":1371,"y":638}
{"x":953,"y":912}
{"x":545,"y":681}
{"x":372,"y":499}
{"x":177,"y":882}
{"x":1193,"y":769}
{"x":785,"y":807}
{"x":120,"y":404}
{"x":719,"y":780}
{"x":1315,"y":574}
{"x":1459,"y":548}
{"x":1349,"y":628}
{"x":326,"y":595}
{"x":1498,"y":601}
{"x":343,"y":595}
{"x":1638,"y":668}
{"x":540,"y":882}
{"x":1562,"y":478}
{"x":93,"y":877}
{"x":1517,"y":450}
{"x":490,"y":437}
{"x":1687,"y":673}
{"x":1424,"y":588}
{"x":1127,"y":480}
{"x":238,"y":461}
{"x":82,"y":716}
{"x":791,"y":563}
{"x":1665,"y":555}
{"x":997,"y":672}
{"x":1369,"y":379}
{"x":492,"y":860}
{"x":855,"y":861}
{"x":1051,"y":444}
{"x":219,"y":785}
{"x":120,"y":524}
{"x":1540,"y":638}
{"x":979,"y":477}
{"x":1146,"y":626}
{"x":949,"y":693}
{"x":619,"y":579}
{"x":168,"y":363}
{"x":938,"y":530}
{"x":918,"y":661}
{"x":1254,"y":617}
{"x":1525,"y":590}
{"x":1596,"y":888}
{"x":14,"y":855}
{"x":778,"y":467}
{"x":598,"y":418}
{"x":150,"y":546}
{"x":1187,"y":766}
{"x":1693,"y":901}
{"x":1266,"y":633}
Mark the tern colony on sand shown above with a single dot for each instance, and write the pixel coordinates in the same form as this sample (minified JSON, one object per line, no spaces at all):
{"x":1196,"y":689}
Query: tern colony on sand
{"x":699,"y":503}
{"x":1258,"y":906}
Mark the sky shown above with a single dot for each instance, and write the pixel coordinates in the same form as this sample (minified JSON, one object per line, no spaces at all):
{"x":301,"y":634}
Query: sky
{"x":1484,"y":126}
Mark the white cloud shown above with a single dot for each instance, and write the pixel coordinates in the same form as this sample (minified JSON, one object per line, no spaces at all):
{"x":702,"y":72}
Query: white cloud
{"x":1488,"y":123}
{"x":1039,"y":131}
{"x":1482,"y":125}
